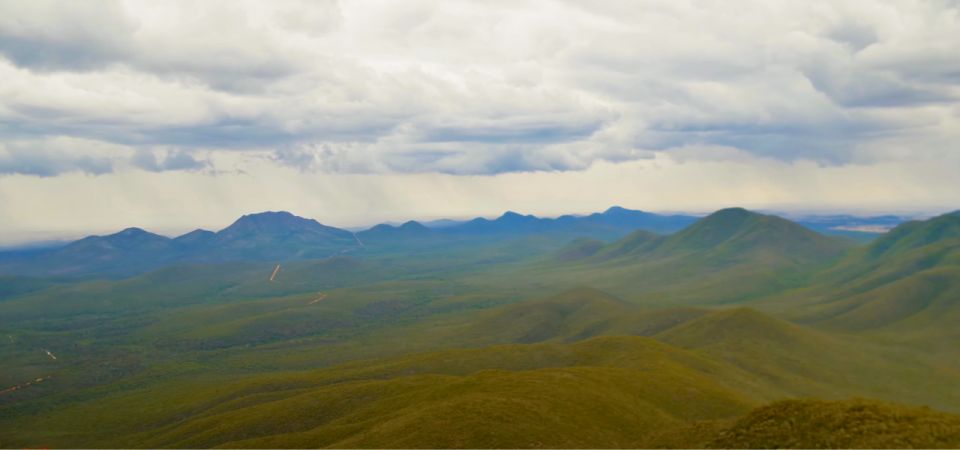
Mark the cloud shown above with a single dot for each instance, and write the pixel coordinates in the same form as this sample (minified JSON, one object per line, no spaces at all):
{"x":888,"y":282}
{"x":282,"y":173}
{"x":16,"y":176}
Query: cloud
{"x":471,"y":88}
{"x":48,"y":35}
{"x":172,"y":160}
{"x":48,"y":164}
{"x":52,"y":157}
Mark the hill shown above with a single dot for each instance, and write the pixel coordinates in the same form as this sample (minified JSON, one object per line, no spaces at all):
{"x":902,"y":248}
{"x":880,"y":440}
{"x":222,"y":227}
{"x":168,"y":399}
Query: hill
{"x":738,"y":234}
{"x":787,"y":359}
{"x":278,"y":236}
{"x":281,"y":236}
{"x":268,"y":236}
{"x":695,"y":266}
{"x":614,"y":222}
{"x":617,"y":391}
{"x":570,"y":316}
{"x":840,"y":424}
{"x":906,"y":283}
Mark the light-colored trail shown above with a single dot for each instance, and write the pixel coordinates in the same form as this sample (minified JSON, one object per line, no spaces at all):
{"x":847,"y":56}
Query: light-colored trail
{"x":50,"y":354}
{"x":25,"y":385}
{"x":273,"y":276}
{"x":320,"y":297}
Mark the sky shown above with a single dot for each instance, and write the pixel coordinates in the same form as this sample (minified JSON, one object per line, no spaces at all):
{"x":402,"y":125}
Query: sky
{"x":176,"y":115}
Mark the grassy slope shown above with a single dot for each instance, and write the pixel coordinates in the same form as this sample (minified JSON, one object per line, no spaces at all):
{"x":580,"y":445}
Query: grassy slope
{"x":846,"y":424}
{"x":727,"y":360}
{"x":904,"y":287}
{"x":193,"y":331}
{"x":764,"y":254}
{"x":527,"y":391}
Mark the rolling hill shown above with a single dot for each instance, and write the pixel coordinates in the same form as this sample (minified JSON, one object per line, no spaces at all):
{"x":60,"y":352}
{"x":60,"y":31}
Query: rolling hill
{"x":840,"y":424}
{"x":694,"y":266}
{"x":906,"y":282}
{"x":609,"y":391}
{"x":494,"y":338}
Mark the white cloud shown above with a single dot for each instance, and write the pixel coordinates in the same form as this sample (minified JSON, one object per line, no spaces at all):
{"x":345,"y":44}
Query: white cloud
{"x":474,"y":88}
{"x":418,"y":86}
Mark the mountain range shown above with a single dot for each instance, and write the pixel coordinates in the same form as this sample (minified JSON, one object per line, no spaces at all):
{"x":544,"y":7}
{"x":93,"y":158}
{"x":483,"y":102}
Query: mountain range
{"x":739,"y":329}
{"x":281,"y":236}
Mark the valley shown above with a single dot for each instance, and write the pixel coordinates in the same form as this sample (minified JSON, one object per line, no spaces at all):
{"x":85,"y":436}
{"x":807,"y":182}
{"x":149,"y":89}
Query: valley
{"x":620,"y":329}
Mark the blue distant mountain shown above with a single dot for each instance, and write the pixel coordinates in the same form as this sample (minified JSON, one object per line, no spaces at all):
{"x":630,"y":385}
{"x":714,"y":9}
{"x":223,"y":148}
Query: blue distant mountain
{"x":613,"y":223}
{"x":281,"y":236}
{"x":268,"y":236}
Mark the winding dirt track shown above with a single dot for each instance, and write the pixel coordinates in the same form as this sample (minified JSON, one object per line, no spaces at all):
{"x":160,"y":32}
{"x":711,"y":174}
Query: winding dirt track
{"x":319,"y":297}
{"x":25,"y":385}
{"x":274,"y":274}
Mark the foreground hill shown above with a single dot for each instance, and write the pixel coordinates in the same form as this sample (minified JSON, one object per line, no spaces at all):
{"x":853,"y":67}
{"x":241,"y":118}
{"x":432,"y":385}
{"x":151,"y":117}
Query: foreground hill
{"x":840,"y":424}
{"x":617,"y":391}
{"x":215,"y":354}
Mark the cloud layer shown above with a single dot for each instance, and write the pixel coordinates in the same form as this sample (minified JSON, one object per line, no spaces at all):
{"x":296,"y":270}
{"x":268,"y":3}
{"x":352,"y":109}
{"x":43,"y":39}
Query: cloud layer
{"x":472,"y":87}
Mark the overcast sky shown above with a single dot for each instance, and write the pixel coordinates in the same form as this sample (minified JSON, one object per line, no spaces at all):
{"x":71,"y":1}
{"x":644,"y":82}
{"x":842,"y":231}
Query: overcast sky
{"x":170,"y":115}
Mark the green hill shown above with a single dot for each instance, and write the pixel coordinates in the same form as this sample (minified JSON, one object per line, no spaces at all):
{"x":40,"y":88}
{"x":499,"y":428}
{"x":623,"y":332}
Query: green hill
{"x":738,"y":234}
{"x":573,"y":315}
{"x":840,"y":424}
{"x":764,"y":254}
{"x":916,"y":234}
{"x":467,"y":346}
{"x":906,"y":283}
{"x":636,"y":243}
{"x":609,"y":391}
{"x":617,"y":391}
{"x":579,"y":248}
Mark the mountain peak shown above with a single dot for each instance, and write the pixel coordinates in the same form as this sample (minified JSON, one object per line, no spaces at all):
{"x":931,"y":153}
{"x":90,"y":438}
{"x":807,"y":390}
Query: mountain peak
{"x":736,"y":232}
{"x":716,"y":227}
{"x":735,"y":211}
{"x":125,"y":239}
{"x":131,"y":231}
{"x":511,"y":216}
{"x":280,"y":233}
{"x":618,"y":210}
{"x":412,"y":225}
{"x":270,"y":215}
{"x":270,"y":221}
